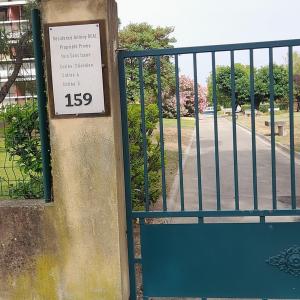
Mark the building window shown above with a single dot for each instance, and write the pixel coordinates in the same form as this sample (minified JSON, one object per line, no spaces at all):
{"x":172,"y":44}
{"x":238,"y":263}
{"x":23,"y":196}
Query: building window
{"x":3,"y":14}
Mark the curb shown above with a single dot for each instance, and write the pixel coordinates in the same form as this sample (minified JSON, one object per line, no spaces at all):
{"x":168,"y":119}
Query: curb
{"x":278,"y":145}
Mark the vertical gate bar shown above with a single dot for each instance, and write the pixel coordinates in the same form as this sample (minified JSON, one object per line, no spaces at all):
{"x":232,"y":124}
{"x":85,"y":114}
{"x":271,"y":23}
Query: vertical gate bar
{"x":292,"y":142}
{"x":127,"y":175}
{"x":253,"y":131}
{"x":161,"y":133}
{"x":42,"y":103}
{"x":179,"y":134}
{"x":196,"y":95}
{"x":144,"y":132}
{"x":234,"y":135}
{"x":273,"y":150}
{"x":216,"y":131}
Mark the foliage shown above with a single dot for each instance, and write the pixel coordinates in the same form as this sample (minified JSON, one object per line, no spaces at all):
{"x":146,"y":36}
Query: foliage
{"x":296,"y":63}
{"x":264,"y":108}
{"x":169,"y":107}
{"x":296,"y":80}
{"x":137,"y":154}
{"x":187,"y":99}
{"x":223,"y":85}
{"x":242,"y":84}
{"x":138,"y":37}
{"x":141,"y":36}
{"x":296,"y":69}
{"x":22,"y":141}
{"x":281,"y":81}
{"x":31,"y":4}
{"x":29,"y":189}
{"x":283,"y":104}
{"x":4,"y":42}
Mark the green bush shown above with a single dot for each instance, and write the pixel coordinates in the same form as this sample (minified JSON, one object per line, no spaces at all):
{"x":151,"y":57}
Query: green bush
{"x":22,"y":142}
{"x":225,"y":102}
{"x":264,"y":108}
{"x":137,"y":154}
{"x":29,"y":189}
{"x":283,"y":104}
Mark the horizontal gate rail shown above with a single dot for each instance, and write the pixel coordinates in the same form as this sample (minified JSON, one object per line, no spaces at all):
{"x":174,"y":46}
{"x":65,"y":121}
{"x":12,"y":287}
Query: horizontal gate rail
{"x":213,"y":213}
{"x":214,"y":48}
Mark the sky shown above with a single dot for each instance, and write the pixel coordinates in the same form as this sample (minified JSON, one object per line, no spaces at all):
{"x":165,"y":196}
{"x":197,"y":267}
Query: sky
{"x":211,"y":22}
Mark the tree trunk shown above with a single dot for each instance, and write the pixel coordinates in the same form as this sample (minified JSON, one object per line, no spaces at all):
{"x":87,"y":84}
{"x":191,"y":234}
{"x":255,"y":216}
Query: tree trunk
{"x":20,"y":51}
{"x":257,"y":102}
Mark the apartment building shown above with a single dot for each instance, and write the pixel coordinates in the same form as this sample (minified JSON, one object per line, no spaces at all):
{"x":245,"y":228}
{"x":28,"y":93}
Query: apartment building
{"x":13,"y":24}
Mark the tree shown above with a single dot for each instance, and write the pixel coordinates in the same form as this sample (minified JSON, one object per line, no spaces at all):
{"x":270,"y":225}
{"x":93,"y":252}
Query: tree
{"x":296,"y":70}
{"x":187,"y":99}
{"x":223,"y":85}
{"x":262,"y":84}
{"x":296,"y":63}
{"x":144,"y":36}
{"x":242,"y":85}
{"x":139,"y":37}
{"x":16,"y":48}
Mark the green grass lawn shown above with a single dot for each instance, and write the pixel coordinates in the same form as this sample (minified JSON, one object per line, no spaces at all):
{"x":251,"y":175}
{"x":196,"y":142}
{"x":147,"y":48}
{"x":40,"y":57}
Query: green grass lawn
{"x":171,"y":144}
{"x":281,"y":116}
{"x":185,"y":123}
{"x":171,"y":147}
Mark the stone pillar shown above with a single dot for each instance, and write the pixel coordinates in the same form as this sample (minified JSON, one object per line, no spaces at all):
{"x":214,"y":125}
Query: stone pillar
{"x":89,"y":205}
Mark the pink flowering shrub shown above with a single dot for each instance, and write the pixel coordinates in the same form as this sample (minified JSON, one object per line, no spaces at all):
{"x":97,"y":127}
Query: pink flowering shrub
{"x":187,"y":99}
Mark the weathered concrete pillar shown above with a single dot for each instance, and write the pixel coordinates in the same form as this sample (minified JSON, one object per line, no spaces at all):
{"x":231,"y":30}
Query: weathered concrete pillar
{"x":74,"y":248}
{"x":88,"y":178}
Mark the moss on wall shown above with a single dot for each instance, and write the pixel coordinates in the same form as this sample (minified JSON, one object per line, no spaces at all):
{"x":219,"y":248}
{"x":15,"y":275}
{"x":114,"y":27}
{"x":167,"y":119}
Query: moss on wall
{"x":25,"y":236}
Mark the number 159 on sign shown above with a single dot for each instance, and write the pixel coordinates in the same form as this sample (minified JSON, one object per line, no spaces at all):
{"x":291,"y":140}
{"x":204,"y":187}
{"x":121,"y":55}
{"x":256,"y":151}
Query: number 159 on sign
{"x":78,"y":99}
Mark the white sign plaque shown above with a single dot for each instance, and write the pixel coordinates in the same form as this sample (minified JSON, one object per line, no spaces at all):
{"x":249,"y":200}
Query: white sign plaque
{"x":76,"y":69}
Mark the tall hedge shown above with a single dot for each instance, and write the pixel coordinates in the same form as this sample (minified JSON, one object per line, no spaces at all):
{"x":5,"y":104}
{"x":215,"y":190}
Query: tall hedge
{"x":137,"y":154}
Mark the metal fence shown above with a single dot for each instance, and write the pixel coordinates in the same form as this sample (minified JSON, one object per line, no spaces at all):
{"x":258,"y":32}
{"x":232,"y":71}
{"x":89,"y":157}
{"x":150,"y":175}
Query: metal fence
{"x":150,"y":238}
{"x":20,"y":145}
{"x":141,"y":57}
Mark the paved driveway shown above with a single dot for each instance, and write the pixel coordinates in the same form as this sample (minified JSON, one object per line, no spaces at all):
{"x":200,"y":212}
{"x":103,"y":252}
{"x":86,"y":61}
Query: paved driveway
{"x":264,"y":171}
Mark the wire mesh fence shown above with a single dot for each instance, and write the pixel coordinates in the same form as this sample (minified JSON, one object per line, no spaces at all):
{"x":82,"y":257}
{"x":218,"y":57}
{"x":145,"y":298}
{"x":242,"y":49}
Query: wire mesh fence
{"x":20,"y":154}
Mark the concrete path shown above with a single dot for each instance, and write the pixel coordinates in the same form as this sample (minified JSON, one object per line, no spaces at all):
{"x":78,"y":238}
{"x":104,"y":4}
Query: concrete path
{"x":264,"y":171}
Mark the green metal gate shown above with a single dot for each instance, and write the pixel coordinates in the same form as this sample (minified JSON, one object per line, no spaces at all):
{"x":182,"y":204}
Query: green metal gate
{"x":202,"y":259}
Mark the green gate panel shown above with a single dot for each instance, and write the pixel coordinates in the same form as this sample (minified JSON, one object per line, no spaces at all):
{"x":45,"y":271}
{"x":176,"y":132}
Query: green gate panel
{"x":221,"y":260}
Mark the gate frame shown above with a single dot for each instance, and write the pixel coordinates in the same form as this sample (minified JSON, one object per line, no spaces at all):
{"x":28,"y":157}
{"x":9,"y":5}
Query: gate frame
{"x":200,"y":214}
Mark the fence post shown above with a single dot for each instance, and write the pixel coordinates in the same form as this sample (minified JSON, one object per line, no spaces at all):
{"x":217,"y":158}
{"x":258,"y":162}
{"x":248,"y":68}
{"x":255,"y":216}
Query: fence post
{"x":86,"y":148}
{"x":42,"y":102}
